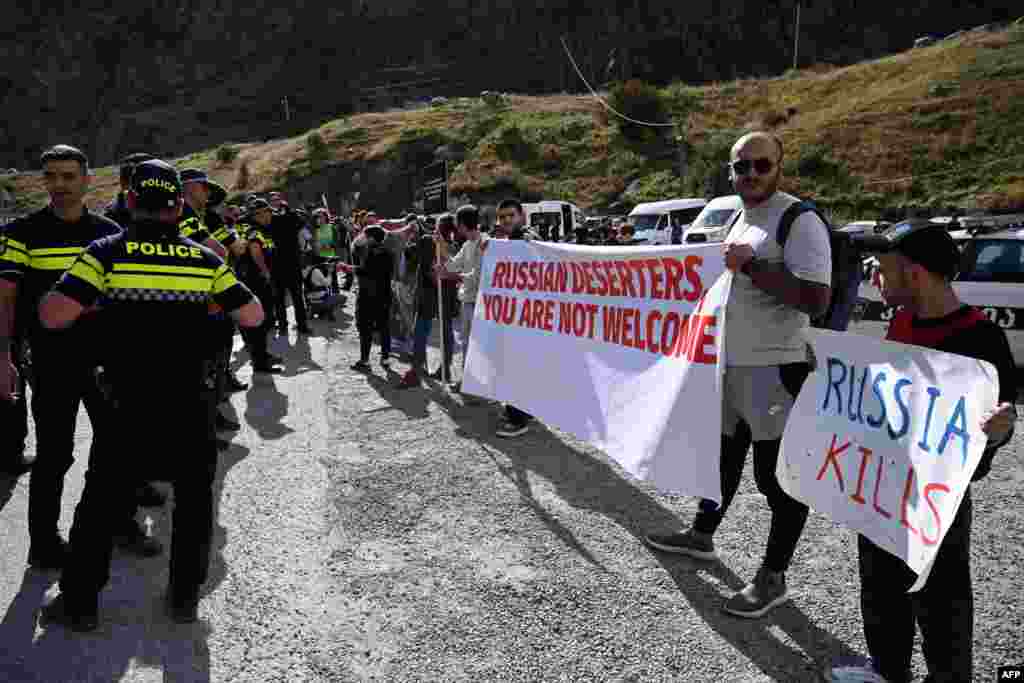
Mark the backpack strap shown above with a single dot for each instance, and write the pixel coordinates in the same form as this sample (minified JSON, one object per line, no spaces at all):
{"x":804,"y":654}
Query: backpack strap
{"x":792,"y":212}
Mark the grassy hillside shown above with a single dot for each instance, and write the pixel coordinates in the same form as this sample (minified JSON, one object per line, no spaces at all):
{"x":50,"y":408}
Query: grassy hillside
{"x":938,"y":126}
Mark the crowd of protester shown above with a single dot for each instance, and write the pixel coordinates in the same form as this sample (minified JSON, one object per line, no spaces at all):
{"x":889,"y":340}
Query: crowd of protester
{"x":407,"y":273}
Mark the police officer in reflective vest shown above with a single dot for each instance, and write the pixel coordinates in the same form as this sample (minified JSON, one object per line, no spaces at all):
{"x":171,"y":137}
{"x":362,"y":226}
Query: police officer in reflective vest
{"x":39,"y":247}
{"x":149,"y":288}
{"x":254,"y":269}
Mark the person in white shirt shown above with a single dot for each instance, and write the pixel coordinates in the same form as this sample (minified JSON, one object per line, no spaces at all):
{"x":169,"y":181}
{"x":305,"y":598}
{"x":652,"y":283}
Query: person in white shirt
{"x":319,"y":298}
{"x":464,"y":268}
{"x":775,"y":291}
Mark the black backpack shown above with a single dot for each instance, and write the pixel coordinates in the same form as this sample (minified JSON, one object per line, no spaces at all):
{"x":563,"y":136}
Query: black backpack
{"x":846,"y":267}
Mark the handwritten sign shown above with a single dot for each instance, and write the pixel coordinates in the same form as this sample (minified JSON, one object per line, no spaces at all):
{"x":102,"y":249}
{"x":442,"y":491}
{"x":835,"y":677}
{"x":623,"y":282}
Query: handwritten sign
{"x":619,"y":346}
{"x":884,"y":438}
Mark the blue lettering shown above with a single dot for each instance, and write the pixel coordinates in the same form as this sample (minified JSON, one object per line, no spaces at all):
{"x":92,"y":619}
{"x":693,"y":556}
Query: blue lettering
{"x":903,"y":409}
{"x":959,"y":412}
{"x":923,"y":443}
{"x":859,"y":417}
{"x":877,"y":422}
{"x":833,"y":362}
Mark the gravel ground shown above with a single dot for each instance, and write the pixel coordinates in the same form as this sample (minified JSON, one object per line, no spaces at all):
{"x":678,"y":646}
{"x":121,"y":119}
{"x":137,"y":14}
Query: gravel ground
{"x":371,"y":534}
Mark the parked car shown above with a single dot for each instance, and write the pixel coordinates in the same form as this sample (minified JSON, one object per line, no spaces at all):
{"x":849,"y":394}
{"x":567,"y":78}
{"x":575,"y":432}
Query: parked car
{"x":553,"y":220}
{"x":866,"y":227}
{"x":664,"y":222}
{"x":991,"y":278}
{"x":712,"y":224}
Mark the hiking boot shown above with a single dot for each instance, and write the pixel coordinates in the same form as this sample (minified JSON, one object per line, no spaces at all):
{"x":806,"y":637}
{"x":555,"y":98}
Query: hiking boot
{"x":510,"y":430}
{"x":853,"y":670}
{"x":767,"y":590}
{"x":134,"y":541}
{"x":52,"y":554}
{"x":149,"y":496}
{"x":410,"y":380}
{"x":691,"y":542}
{"x":81,"y":616}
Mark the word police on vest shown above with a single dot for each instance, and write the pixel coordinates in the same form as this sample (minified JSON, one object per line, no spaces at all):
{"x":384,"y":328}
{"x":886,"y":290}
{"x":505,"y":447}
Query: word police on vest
{"x":150,"y":249}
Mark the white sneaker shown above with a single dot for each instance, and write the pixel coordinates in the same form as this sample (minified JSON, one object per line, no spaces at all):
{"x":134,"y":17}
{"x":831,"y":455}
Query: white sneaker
{"x":853,"y":670}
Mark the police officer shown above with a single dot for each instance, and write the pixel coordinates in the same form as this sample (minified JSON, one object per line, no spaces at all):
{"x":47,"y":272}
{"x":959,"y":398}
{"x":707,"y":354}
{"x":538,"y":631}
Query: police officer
{"x":39,"y":248}
{"x":222,"y":229}
{"x":285,"y":227}
{"x":117,"y":210}
{"x":254,"y":269}
{"x":152,"y":284}
{"x":14,"y":411}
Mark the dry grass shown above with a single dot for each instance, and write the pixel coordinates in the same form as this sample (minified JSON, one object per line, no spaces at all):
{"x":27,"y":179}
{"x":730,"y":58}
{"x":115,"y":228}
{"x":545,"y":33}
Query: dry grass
{"x":868,"y":115}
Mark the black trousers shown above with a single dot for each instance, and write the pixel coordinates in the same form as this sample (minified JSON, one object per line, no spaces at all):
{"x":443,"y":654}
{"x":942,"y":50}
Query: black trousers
{"x":944,"y":608}
{"x":289,"y":280}
{"x":256,"y":337}
{"x":373,"y":314}
{"x":61,"y":387}
{"x":14,"y":418}
{"x":185,"y":455}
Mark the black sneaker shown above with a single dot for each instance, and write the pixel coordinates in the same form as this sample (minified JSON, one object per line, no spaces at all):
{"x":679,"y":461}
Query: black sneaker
{"x":267,"y":369}
{"x":690,"y":542}
{"x":361,"y":366}
{"x":82,"y":618}
{"x":134,"y":541}
{"x":51,"y":555}
{"x":181,"y":611}
{"x":275,"y":360}
{"x":766,"y":591}
{"x":149,"y":496}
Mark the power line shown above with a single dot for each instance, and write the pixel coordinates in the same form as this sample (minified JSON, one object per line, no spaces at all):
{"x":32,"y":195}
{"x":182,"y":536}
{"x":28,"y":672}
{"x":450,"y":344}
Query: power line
{"x":601,"y":100}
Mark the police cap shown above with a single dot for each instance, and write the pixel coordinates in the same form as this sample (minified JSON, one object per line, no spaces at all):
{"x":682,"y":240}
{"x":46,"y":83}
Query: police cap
{"x":156,"y":185}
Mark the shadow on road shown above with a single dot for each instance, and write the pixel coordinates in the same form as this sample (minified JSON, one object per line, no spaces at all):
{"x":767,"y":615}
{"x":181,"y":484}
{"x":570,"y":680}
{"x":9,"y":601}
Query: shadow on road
{"x":134,"y":634}
{"x":586,"y":482}
{"x":265,"y":407}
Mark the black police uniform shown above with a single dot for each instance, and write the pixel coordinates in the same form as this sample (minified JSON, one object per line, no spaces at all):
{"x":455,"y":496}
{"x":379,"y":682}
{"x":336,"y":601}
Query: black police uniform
{"x":256,"y":337}
{"x":226,"y":235}
{"x":39,"y":248}
{"x":155,"y":286}
{"x":287,"y":271}
{"x":14,"y":414}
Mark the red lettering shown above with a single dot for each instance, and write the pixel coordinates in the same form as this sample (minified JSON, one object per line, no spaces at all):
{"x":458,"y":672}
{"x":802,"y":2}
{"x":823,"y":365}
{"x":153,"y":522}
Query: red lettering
{"x":638,"y":329}
{"x":612,"y":319}
{"x":612,"y":271}
{"x":578,"y":283}
{"x":508,"y":309}
{"x":579,"y":320}
{"x":534,"y":279}
{"x":638,"y":268}
{"x":693,"y":277}
{"x":865,"y":453}
{"x":698,"y":353}
{"x":488,"y":302}
{"x":935,"y":512}
{"x":549,"y":315}
{"x":525,"y":319}
{"x":563,"y":277}
{"x":652,"y":343}
{"x":686,"y":335}
{"x":905,"y":503}
{"x":832,"y":457}
{"x":589,"y":280}
{"x":656,"y":276}
{"x":626,"y":276}
{"x":602,"y":279}
{"x":669,"y":339}
{"x":538,"y":314}
{"x":674,"y":273}
{"x":878,"y":485}
{"x":627,"y":327}
{"x":591,"y":315}
{"x":521,"y":273}
{"x":565,"y":317}
{"x":500,"y":272}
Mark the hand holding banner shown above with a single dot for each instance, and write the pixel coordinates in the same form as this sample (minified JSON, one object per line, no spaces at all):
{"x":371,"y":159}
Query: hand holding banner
{"x":884,"y":438}
{"x":621,"y":347}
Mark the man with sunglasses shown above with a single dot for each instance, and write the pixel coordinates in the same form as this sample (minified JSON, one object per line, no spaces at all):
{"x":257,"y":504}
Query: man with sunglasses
{"x":775,"y":291}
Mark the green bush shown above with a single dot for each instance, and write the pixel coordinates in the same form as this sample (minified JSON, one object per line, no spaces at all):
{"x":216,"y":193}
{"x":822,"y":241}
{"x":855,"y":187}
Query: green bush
{"x":227,"y":153}
{"x":316,"y":148}
{"x":511,"y":144}
{"x":642,"y":102}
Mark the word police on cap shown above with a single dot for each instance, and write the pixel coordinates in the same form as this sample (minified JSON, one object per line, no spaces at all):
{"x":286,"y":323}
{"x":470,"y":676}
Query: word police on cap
{"x":157,"y":183}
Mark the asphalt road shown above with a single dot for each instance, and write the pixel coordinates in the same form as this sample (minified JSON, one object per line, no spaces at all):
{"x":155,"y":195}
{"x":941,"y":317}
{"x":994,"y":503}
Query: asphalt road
{"x":366,"y":533}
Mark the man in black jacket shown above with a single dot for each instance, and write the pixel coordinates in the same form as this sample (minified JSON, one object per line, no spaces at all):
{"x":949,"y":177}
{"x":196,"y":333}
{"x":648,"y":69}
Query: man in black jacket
{"x":287,"y":266}
{"x":918,"y":261}
{"x":117,"y":210}
{"x":373,"y":303}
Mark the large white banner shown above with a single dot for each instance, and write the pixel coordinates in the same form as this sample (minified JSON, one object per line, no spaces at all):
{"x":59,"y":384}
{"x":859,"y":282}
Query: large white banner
{"x":884,"y":439}
{"x":619,"y":346}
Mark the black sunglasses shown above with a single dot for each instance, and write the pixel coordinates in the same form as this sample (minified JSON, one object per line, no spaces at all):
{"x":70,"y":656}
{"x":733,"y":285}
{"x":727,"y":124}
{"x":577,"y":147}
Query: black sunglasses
{"x":743,"y":166}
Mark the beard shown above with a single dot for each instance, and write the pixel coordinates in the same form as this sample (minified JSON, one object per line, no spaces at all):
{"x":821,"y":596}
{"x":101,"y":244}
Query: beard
{"x":756,"y":189}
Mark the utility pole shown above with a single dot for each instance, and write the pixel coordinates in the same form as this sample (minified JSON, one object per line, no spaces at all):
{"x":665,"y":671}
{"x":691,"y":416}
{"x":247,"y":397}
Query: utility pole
{"x":796,"y":35}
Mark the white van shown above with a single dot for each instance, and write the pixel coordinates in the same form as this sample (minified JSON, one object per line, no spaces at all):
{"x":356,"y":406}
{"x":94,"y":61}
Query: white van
{"x":555,"y":221}
{"x":664,"y":222}
{"x":715,"y":220}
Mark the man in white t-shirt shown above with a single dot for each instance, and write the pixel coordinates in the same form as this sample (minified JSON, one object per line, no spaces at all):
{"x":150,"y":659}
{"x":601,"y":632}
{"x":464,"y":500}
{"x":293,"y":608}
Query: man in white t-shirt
{"x":775,"y":291}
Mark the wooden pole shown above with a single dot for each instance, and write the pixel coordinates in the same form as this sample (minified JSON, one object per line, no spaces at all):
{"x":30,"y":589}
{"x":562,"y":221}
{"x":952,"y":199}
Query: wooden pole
{"x":796,"y":35}
{"x":441,"y":256}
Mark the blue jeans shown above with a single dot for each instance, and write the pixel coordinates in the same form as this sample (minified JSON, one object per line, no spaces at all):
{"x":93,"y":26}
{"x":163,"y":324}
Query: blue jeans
{"x":421,"y":334}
